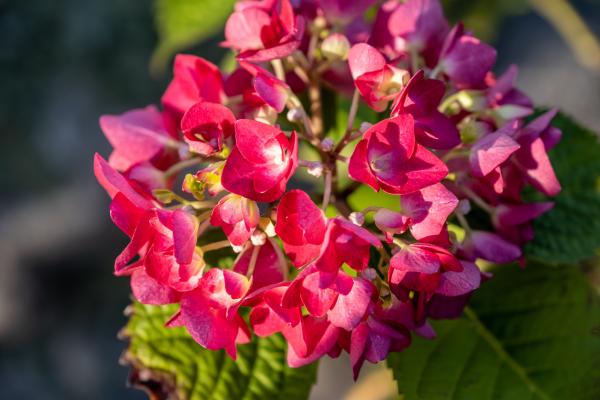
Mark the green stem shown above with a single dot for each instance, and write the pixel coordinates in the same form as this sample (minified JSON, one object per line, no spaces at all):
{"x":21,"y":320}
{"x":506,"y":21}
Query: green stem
{"x":181,"y":165}
{"x":215,"y":246}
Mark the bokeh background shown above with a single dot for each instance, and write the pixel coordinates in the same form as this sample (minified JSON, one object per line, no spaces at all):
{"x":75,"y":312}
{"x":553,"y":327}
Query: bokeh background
{"x":65,"y":62}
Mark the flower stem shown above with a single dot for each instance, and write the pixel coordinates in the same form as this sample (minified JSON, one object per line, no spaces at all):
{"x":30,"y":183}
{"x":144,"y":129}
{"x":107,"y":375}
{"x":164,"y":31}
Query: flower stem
{"x":181,"y":165}
{"x":252,"y":263}
{"x":414,"y":60}
{"x":327,"y":189}
{"x":316,"y":107}
{"x":438,"y":68}
{"x":203,"y":226}
{"x":215,"y":246}
{"x":351,"y":117}
{"x":463,"y":222}
{"x":278,"y":68}
{"x":477,"y":200}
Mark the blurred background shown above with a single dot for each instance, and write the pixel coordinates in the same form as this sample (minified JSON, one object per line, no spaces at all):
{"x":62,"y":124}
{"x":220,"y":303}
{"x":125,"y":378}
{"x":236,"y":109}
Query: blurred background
{"x":63,"y":63}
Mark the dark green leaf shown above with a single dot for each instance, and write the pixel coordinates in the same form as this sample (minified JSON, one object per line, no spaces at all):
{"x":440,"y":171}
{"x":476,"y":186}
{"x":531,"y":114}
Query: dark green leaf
{"x":169,"y":360}
{"x":571,"y":231}
{"x":529,"y":334}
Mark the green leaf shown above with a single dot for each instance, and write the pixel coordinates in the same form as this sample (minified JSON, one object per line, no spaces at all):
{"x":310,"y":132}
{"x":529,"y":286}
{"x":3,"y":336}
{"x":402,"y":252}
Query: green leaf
{"x":571,"y":231}
{"x":529,"y":334}
{"x":364,"y":197}
{"x":170,"y":361}
{"x":184,"y":23}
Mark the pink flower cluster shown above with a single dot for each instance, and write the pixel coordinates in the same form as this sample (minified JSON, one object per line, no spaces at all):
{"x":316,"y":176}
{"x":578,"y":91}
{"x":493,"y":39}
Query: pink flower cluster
{"x":451,"y":146}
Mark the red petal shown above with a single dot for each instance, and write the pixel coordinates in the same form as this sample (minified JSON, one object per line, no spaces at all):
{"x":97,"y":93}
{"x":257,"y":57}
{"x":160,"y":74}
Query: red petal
{"x":364,"y":58}
{"x":490,"y":152}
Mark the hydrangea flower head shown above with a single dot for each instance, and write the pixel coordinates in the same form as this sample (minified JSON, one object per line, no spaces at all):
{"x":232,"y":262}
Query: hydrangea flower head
{"x":248,"y":163}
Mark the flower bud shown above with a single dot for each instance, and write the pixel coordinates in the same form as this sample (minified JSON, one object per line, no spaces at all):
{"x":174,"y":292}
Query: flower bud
{"x":266,"y":225}
{"x":314,"y":168}
{"x":258,"y":238}
{"x":369,"y":274}
{"x":464,"y":206}
{"x":295,"y":115}
{"x":472,"y":130}
{"x":319,"y":23}
{"x":512,"y":111}
{"x":327,"y":144}
{"x":335,"y":47}
{"x":364,"y":126}
{"x":165,"y":196}
{"x":472,"y":100}
{"x":357,"y":218}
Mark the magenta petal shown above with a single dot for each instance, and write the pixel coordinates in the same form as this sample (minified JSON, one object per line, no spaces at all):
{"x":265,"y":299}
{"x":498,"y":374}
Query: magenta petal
{"x":359,"y":233}
{"x":237,"y":175}
{"x":265,"y":322}
{"x":140,"y":238}
{"x":443,"y":307}
{"x":423,"y":170}
{"x":256,"y":141}
{"x":125,"y":214}
{"x":272,"y":91}
{"x":396,"y":132}
{"x":316,"y":337}
{"x":437,"y":131}
{"x":420,"y":22}
{"x":358,"y":167}
{"x":317,"y":301}
{"x":194,"y":79}
{"x":539,"y":125}
{"x":419,"y":97}
{"x":349,"y":309}
{"x":460,"y":283}
{"x":262,"y":162}
{"x":185,"y":233}
{"x":490,"y":152}
{"x":428,"y":210}
{"x":162,"y":266}
{"x":205,"y":125}
{"x":113,"y":183}
{"x":358,"y":344}
{"x":494,"y":248}
{"x":243,"y":28}
{"x":137,"y":135}
{"x":301,"y":226}
{"x":268,"y":269}
{"x":270,"y":317}
{"x":536,"y":165}
{"x":378,"y":347}
{"x":299,"y":220}
{"x":364,"y":58}
{"x":271,"y":53}
{"x":205,"y":312}
{"x":342,"y":12}
{"x":413,"y":259}
{"x":390,"y":221}
{"x":147,"y":290}
{"x":467,"y":60}
{"x":516,"y":214}
{"x":237,"y":216}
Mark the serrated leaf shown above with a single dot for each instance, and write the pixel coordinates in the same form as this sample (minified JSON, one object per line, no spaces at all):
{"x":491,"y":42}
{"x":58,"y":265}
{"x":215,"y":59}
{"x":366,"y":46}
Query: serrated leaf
{"x":571,"y":231}
{"x":529,"y":334}
{"x":184,"y":23}
{"x":170,"y":361}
